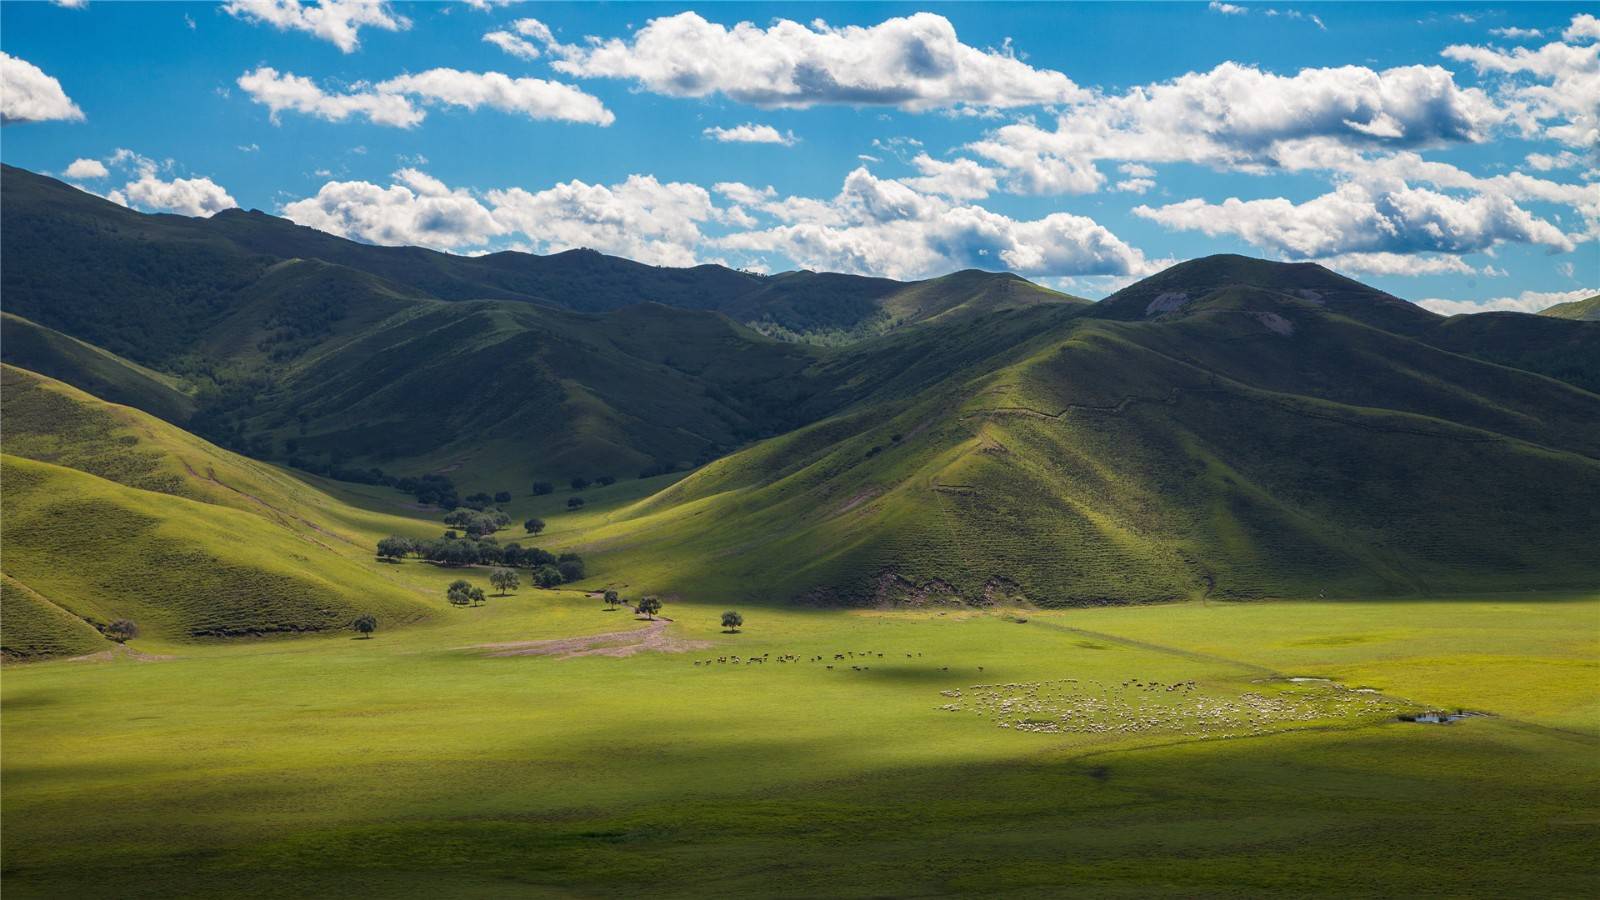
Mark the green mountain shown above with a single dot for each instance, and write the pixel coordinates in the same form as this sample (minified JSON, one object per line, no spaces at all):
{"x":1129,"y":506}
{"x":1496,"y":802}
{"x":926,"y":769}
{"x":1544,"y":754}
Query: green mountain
{"x":1229,"y":427}
{"x":293,"y":344}
{"x":1248,"y":442}
{"x":1582,"y":310}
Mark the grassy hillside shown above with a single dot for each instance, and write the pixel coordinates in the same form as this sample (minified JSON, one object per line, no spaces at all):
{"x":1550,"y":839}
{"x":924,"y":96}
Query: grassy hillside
{"x":32,"y":628}
{"x":1233,"y":451}
{"x":1587,"y":310}
{"x":110,"y":513}
{"x":92,"y":369}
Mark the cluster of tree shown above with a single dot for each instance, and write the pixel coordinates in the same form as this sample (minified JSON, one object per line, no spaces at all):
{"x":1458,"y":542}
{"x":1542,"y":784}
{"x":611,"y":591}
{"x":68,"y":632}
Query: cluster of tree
{"x":432,"y":490}
{"x":462,"y":593}
{"x":574,"y":502}
{"x":579,"y":484}
{"x":483,"y":499}
{"x":540,"y":488}
{"x":549,"y":570}
{"x":649,"y":606}
{"x":477,"y":523}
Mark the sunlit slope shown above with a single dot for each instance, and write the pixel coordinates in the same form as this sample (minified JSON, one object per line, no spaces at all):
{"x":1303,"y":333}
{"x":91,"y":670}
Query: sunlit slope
{"x":1586,"y":310}
{"x":1218,"y":453}
{"x":110,"y":513}
{"x":31,"y":627}
{"x":100,"y":372}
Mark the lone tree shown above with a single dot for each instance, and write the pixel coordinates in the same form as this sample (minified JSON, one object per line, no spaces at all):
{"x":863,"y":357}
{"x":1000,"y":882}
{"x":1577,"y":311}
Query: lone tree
{"x":394,"y":547}
{"x":477,"y":597}
{"x":731,"y":621}
{"x":366,"y":624}
{"x":649,"y":606}
{"x":122,"y":631}
{"x":541,"y":488}
{"x":459,"y":593}
{"x":504,"y":581}
{"x":574,"y":502}
{"x":533,"y":526}
{"x":611,"y":598}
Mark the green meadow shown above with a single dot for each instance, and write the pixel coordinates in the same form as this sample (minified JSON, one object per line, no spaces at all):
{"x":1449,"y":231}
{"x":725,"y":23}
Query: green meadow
{"x":418,"y":761}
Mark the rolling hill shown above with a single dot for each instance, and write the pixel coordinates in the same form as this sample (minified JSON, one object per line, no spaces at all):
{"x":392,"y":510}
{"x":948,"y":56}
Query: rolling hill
{"x":111,"y":513}
{"x":1251,"y":442}
{"x":291,"y":343}
{"x":1587,"y":310}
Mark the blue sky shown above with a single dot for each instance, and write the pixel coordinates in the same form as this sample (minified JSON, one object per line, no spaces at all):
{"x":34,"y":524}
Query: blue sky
{"x":1445,"y":152}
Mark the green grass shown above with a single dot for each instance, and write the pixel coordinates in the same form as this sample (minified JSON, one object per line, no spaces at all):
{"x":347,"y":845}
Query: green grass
{"x":407,"y":762}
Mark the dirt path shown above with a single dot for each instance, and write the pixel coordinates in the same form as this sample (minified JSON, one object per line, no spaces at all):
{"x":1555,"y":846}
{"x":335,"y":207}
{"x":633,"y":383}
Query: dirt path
{"x":652,"y":637}
{"x":120,"y":650}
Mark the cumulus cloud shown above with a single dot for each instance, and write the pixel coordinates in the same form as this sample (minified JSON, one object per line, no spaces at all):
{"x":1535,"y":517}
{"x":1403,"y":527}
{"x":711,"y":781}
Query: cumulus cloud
{"x":84,"y":169}
{"x":1358,"y":218}
{"x":915,"y":63}
{"x":147,"y":190}
{"x":958,"y":179}
{"x":1403,"y":264}
{"x":280,"y":91}
{"x":1236,"y":116}
{"x":1525,"y":302}
{"x":535,"y":98}
{"x":185,"y":196}
{"x":640,"y":218}
{"x":338,"y":22}
{"x":1552,"y":91}
{"x":751,"y":133}
{"x":1227,"y":9}
{"x":394,"y":102}
{"x":419,"y":210}
{"x":27,"y":94}
{"x":885,"y":227}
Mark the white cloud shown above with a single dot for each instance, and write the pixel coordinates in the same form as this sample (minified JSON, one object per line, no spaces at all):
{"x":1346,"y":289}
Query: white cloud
{"x":1359,"y":218}
{"x":296,"y":93}
{"x":1134,"y":185}
{"x":531,"y":97}
{"x":510,"y":43}
{"x":391,"y":102}
{"x":1235,"y":116}
{"x":640,"y":218}
{"x":84,"y":169}
{"x":958,"y":179}
{"x":488,"y":5}
{"x":883,"y":227}
{"x":1525,"y":302}
{"x":1403,"y":264}
{"x":1516,"y":33}
{"x":338,"y":22}
{"x":518,"y":44}
{"x":71,"y":4}
{"x":419,"y":211}
{"x":185,"y":196}
{"x":751,"y":133}
{"x":27,"y":94}
{"x":1584,"y":27}
{"x":1227,"y":9}
{"x":916,"y":63}
{"x":1550,"y":91}
{"x":1545,"y":162}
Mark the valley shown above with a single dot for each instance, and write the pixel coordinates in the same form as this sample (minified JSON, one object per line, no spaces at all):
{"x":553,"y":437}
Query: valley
{"x":1154,"y":596}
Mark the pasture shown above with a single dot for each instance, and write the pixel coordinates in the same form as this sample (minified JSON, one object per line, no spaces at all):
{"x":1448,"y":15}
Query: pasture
{"x":1182,"y":761}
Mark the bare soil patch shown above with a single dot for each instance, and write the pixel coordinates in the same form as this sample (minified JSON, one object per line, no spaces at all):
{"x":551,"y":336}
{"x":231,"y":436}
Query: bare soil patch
{"x":652,"y":637}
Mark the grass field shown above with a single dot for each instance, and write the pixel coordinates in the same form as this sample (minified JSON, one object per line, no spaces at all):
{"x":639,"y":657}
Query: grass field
{"x":413,"y":762}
